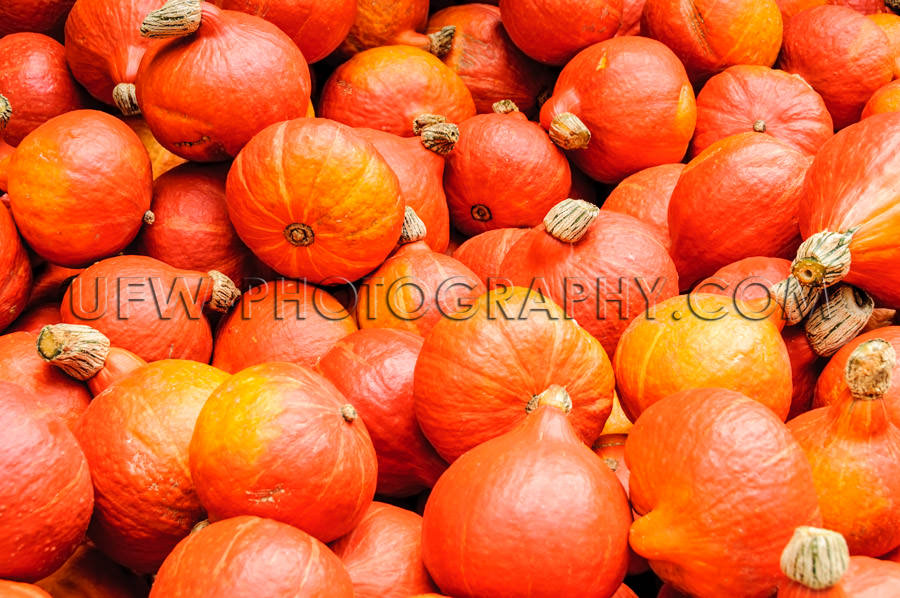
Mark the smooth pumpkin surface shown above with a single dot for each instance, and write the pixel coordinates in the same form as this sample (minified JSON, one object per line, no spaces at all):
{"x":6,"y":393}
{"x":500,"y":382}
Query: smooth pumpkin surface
{"x":886,"y":99}
{"x":484,"y":253}
{"x":385,"y":23}
{"x":645,"y":195}
{"x":890,"y":25}
{"x":15,"y":270}
{"x":43,"y":16}
{"x":90,"y":574}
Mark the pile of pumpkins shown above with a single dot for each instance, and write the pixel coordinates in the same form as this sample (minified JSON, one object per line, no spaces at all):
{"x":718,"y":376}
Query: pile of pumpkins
{"x":528,"y":298}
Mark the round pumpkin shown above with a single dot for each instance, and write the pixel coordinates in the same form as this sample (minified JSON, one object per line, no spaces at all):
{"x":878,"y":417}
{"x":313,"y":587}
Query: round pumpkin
{"x":45,"y":489}
{"x":15,"y":589}
{"x":15,"y":271}
{"x":314,"y":200}
{"x":484,"y":253}
{"x":245,"y":556}
{"x":83,"y":175}
{"x":43,"y":16}
{"x":702,"y":526}
{"x":886,"y":99}
{"x":306,"y":460}
{"x":890,"y":25}
{"x":390,"y":22}
{"x":90,"y":574}
{"x":645,"y":195}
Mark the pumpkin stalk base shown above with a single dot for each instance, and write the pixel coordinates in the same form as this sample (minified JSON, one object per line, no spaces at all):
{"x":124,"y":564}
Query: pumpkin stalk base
{"x":125,"y":98}
{"x":426,"y":120}
{"x":348,"y":412}
{"x":440,"y":42}
{"x":815,"y":558}
{"x":504,"y":107}
{"x":224,"y":292}
{"x":759,"y":126}
{"x":5,"y":112}
{"x":823,"y":259}
{"x":569,"y":220}
{"x":795,"y":299}
{"x":440,"y":138}
{"x":893,"y":5}
{"x":838,"y":319}
{"x":177,"y":18}
{"x":413,"y":228}
{"x":568,"y":132}
{"x":149,"y":217}
{"x":79,"y":351}
{"x":869,"y":370}
{"x":554,"y":396}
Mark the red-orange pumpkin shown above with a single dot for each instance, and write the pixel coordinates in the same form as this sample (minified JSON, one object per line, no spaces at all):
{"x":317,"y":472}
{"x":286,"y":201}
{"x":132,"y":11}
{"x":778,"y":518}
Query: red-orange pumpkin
{"x":15,"y":271}
{"x":867,"y":7}
{"x":50,"y":284}
{"x":36,"y":318}
{"x":43,"y":16}
{"x":390,"y":22}
{"x":161,"y":159}
{"x":645,"y":195}
{"x":119,"y":364}
{"x":484,"y":253}
{"x":806,"y":366}
{"x":15,"y":589}
{"x":90,"y":574}
{"x":886,"y":99}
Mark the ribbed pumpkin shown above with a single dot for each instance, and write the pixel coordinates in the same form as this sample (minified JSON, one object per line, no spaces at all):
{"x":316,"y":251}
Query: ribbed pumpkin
{"x":35,"y":80}
{"x":281,"y":320}
{"x":388,"y":87}
{"x":44,"y":16}
{"x":390,"y":22}
{"x":842,"y":54}
{"x":15,"y":589}
{"x":890,"y":25}
{"x":306,"y":460}
{"x":719,"y":484}
{"x":226,"y":76}
{"x":886,"y":99}
{"x":504,"y":172}
{"x":45,"y":488}
{"x":639,"y":82}
{"x":85,"y":176}
{"x":602,"y":267}
{"x":748,"y":98}
{"x":493,"y":525}
{"x":148,"y":417}
{"x":15,"y":271}
{"x":645,"y":195}
{"x":245,"y":556}
{"x":484,"y":253}
{"x":701,"y":340}
{"x":314,"y":200}
{"x":383,"y":554}
{"x":478,"y":371}
{"x":148,"y":307}
{"x":90,"y":574}
{"x":555,"y":31}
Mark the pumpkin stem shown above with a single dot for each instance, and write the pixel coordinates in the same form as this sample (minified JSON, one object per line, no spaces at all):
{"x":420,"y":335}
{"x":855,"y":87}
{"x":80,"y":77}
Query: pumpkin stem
{"x":795,"y":299}
{"x":555,"y":396}
{"x":5,"y":112}
{"x":348,"y":412}
{"x":199,"y":526}
{"x":177,"y":18}
{"x":440,"y":138}
{"x":425,"y":120}
{"x":149,"y":217}
{"x":413,"y":227}
{"x":125,"y":98}
{"x":823,"y":259}
{"x":815,"y":558}
{"x":504,"y":107}
{"x":759,"y":126}
{"x":299,"y":235}
{"x":568,"y":132}
{"x":569,"y":220}
{"x":440,"y":42}
{"x":224,"y":291}
{"x":79,"y":351}
{"x":869,"y":369}
{"x":838,"y":319}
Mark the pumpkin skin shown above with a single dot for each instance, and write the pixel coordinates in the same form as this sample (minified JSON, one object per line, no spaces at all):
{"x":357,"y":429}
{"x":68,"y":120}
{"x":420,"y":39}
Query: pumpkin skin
{"x":282,"y":320}
{"x":14,"y":589}
{"x":373,"y":369}
{"x":251,"y":556}
{"x":161,"y":159}
{"x":490,"y":65}
{"x":307,"y":460}
{"x":871,"y":578}
{"x":35,"y":80}
{"x":806,"y":366}
{"x":383,"y":554}
{"x":502,"y":344}
{"x":90,"y":574}
{"x":42,"y":16}
{"x":484,"y":253}
{"x":314,"y":200}
{"x":119,"y":364}
{"x":631,"y":17}
{"x":180,"y":85}
{"x":725,"y":536}
{"x":387,"y":87}
{"x":709,"y":36}
{"x":645,"y":195}
{"x":739,"y":198}
{"x":45,"y":490}
{"x":148,"y":417}
{"x":886,"y":99}
{"x":701,"y":340}
{"x":554,"y":32}
{"x":491,"y":528}
{"x":644,"y":84}
{"x":84,"y":174}
{"x":15,"y":271}
{"x":50,"y":284}
{"x":867,"y":7}
{"x":385,"y":23}
{"x":36,"y":318}
{"x":890,"y":25}
{"x":842,"y":54}
{"x":747,"y":98}
{"x":504,"y":172}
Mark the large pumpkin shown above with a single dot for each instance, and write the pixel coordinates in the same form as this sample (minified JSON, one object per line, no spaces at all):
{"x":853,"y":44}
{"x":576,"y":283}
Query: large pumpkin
{"x":15,"y":271}
{"x":484,"y":253}
{"x":44,"y":16}
{"x":90,"y":574}
{"x":645,"y":195}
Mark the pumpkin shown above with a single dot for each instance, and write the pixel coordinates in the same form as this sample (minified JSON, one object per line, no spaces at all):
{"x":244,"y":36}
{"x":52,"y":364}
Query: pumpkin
{"x":306,"y":460}
{"x":867,"y":7}
{"x":388,"y":87}
{"x":119,"y":364}
{"x":842,"y":54}
{"x":45,"y":490}
{"x":789,"y":8}
{"x":631,"y":17}
{"x":890,"y":25}
{"x":15,"y":271}
{"x":373,"y":368}
{"x":43,"y":16}
{"x":553,"y":32}
{"x":645,"y":195}
{"x":490,"y":65}
{"x":602,"y":267}
{"x":624,"y":592}
{"x":84,"y":175}
{"x":316,"y":27}
{"x":492,"y":527}
{"x":806,"y":366}
{"x":719,"y":484}
{"x":14,"y":589}
{"x":148,"y":307}
{"x":484,"y":253}
{"x":6,"y":150}
{"x":224,"y":77}
{"x":251,"y":556}
{"x":50,"y":284}
{"x":886,"y":99}
{"x":701,"y":340}
{"x":710,"y":36}
{"x":90,"y":574}
{"x":504,"y":172}
{"x":747,"y":98}
{"x":391,"y":22}
{"x":35,"y":318}
{"x":477,"y":371}
{"x":383,"y":554}
{"x":161,"y":159}
{"x":314,"y":200}
{"x":35,"y":80}
{"x":640,"y":82}
{"x":282,"y":320}
{"x":104,"y":48}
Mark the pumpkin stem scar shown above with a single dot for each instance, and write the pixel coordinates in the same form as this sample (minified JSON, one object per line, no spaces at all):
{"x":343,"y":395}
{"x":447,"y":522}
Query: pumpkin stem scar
{"x":203,"y":139}
{"x":300,"y":235}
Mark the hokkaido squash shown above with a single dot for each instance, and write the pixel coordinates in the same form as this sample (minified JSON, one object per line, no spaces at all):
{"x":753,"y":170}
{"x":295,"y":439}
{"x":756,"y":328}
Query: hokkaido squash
{"x":182,"y":83}
{"x":394,"y":22}
{"x":45,"y":490}
{"x":886,"y":99}
{"x":90,"y":574}
{"x":631,"y":17}
{"x":890,"y":25}
{"x":307,"y":460}
{"x":314,"y":200}
{"x":866,"y":7}
{"x":704,"y":528}
{"x":806,"y":366}
{"x":15,"y":271}
{"x":50,"y":284}
{"x":35,"y":318}
{"x":6,"y":150}
{"x":251,"y":556}
{"x":15,"y":589}
{"x":484,"y":253}
{"x":161,"y":159}
{"x":641,"y":82}
{"x":84,"y":175}
{"x":43,"y":16}
{"x":119,"y":364}
{"x":470,"y":549}
{"x":645,"y":195}
{"x":383,"y":554}
{"x":477,"y":371}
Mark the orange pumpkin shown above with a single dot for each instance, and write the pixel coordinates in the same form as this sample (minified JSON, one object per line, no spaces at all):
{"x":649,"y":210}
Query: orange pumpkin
{"x":50,"y":284}
{"x":890,"y":25}
{"x":806,"y":365}
{"x":631,"y":17}
{"x":161,"y":159}
{"x":866,"y":7}
{"x":389,"y":22}
{"x":119,"y":364}
{"x":44,"y":16}
{"x":36,"y":318}
{"x":14,"y":589}
{"x":484,"y":253}
{"x":886,"y":99}
{"x":15,"y":271}
{"x":645,"y":195}
{"x":90,"y":574}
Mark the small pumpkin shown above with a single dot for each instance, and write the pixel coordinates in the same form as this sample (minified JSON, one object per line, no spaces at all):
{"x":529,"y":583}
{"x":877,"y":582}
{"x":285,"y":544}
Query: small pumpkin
{"x":43,"y":16}
{"x":15,"y":270}
{"x":90,"y":574}
{"x":886,"y":99}
{"x":484,"y":253}
{"x":394,"y":22}
{"x":645,"y":195}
